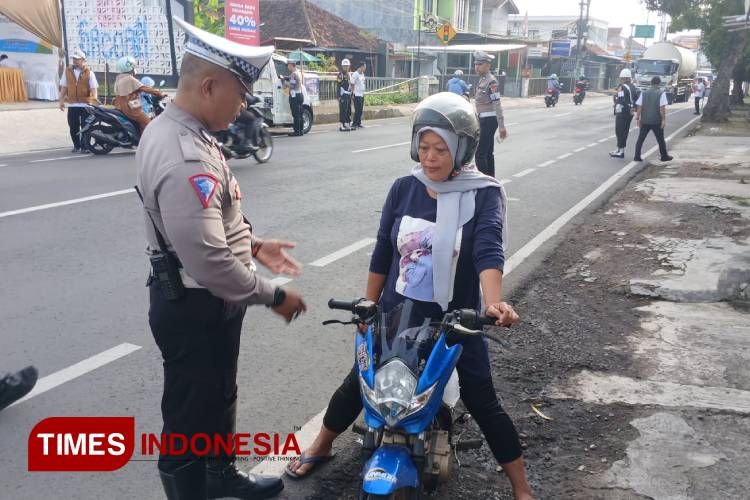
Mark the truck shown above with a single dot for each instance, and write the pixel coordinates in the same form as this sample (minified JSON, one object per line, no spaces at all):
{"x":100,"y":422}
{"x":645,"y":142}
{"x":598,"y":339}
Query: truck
{"x":675,"y":66}
{"x":270,"y":88}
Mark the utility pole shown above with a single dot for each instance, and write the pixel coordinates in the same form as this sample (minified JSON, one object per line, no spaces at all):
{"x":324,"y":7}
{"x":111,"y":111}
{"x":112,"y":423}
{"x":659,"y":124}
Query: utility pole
{"x":582,"y":27}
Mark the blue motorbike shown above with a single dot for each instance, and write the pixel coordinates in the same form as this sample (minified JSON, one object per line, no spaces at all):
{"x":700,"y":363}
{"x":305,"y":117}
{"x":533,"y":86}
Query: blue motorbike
{"x":404,"y":364}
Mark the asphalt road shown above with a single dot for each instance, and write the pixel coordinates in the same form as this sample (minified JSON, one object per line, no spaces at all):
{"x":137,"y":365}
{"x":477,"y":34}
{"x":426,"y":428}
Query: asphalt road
{"x":73,"y":301}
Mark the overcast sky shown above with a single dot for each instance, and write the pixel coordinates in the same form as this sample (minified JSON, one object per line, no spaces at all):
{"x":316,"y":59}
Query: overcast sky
{"x":618,"y":13}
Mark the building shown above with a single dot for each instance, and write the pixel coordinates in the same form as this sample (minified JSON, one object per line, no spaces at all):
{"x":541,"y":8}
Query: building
{"x":618,"y":45}
{"x":555,"y":27}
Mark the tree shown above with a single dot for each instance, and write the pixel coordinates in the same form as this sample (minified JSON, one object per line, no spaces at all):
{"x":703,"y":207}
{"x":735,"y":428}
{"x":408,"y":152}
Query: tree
{"x":209,"y":16}
{"x":741,"y":74}
{"x":723,"y":48}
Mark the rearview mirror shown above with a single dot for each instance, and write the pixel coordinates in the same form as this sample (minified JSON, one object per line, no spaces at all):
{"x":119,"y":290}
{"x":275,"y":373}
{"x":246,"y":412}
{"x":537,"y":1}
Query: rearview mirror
{"x":162,"y":83}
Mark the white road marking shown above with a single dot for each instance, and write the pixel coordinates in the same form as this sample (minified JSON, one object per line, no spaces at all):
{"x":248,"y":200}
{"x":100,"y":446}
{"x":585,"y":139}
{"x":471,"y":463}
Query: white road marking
{"x":54,"y":159}
{"x":81,"y":368}
{"x":382,"y":147}
{"x":564,"y":114}
{"x":4,"y":165}
{"x":514,"y":199}
{"x":579,"y":149}
{"x":612,"y":136}
{"x":64,"y":203}
{"x":35,"y":152}
{"x":524,"y":172}
{"x":305,"y":437}
{"x":603,"y":140}
{"x":340,"y":254}
{"x":562,"y":157}
{"x":514,"y":123}
{"x":517,"y":258}
{"x":591,"y":145}
{"x":505,"y":181}
{"x":546,"y":163}
{"x":280,"y":281}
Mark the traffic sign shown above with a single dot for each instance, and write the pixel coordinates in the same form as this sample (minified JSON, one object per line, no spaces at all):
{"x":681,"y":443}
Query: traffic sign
{"x":445,"y":33}
{"x":645,"y":31}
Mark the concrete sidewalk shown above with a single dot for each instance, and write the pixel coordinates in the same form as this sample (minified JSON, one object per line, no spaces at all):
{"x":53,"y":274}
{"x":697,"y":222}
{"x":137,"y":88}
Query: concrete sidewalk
{"x":640,"y":322}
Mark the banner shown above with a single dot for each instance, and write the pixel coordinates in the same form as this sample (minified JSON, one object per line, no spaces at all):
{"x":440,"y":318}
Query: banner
{"x":242,"y":21}
{"x":14,"y":38}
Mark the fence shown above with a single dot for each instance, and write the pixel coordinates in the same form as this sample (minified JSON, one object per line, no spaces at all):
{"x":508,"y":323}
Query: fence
{"x":328,"y":87}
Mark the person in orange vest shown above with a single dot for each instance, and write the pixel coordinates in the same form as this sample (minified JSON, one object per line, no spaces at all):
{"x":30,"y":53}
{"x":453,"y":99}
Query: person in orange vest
{"x":78,"y":86}
{"x":128,"y":91}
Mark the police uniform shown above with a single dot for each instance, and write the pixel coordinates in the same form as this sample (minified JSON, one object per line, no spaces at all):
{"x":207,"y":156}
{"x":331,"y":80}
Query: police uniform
{"x":625,"y":99}
{"x":296,"y":99}
{"x":490,"y":111}
{"x":192,"y":207}
{"x":343,"y":84}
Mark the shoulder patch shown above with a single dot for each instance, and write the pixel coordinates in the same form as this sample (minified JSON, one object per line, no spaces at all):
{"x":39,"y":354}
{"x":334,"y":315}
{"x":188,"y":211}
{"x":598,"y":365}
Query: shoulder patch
{"x":204,"y":186}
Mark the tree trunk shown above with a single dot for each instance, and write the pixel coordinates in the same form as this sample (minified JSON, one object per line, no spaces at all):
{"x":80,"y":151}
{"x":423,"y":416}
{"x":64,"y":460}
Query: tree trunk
{"x":717,"y":107}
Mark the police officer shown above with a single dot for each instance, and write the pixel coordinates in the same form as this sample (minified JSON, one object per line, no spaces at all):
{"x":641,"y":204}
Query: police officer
{"x":343,"y":84}
{"x":296,"y":98}
{"x":490,"y":111}
{"x":203,"y":255}
{"x":625,"y":99}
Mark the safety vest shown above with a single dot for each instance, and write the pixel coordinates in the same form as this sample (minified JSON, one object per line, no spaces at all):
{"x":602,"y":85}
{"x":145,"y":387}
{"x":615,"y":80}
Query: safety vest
{"x":78,"y":90}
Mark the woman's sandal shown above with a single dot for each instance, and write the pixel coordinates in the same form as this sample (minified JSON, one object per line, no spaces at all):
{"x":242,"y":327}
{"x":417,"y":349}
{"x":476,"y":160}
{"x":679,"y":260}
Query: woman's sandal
{"x":303,"y":459}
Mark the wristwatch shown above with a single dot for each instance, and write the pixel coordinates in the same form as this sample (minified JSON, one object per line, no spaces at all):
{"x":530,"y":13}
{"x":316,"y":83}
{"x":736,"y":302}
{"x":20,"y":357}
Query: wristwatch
{"x":279,"y":296}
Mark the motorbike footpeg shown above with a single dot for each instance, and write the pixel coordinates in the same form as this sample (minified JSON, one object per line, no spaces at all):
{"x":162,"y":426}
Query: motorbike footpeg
{"x":469,"y":444}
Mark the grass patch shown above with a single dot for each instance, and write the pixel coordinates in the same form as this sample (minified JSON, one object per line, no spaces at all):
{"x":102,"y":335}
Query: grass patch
{"x":385,"y":99}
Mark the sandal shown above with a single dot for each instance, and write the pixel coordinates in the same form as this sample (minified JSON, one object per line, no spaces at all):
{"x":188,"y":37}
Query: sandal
{"x":303,"y":459}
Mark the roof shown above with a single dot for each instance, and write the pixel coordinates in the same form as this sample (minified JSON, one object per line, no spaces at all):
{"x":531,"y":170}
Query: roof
{"x":300,"y":19}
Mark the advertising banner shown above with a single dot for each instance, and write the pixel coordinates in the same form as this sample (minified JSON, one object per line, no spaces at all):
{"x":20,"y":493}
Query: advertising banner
{"x":243,"y":21}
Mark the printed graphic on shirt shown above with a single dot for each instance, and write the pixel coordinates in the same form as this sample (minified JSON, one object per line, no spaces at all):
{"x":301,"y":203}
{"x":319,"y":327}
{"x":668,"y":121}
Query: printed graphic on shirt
{"x":414,"y":243}
{"x":205,"y":187}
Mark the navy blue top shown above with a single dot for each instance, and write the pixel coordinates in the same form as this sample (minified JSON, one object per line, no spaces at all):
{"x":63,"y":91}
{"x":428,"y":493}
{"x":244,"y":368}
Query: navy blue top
{"x":403,"y":251}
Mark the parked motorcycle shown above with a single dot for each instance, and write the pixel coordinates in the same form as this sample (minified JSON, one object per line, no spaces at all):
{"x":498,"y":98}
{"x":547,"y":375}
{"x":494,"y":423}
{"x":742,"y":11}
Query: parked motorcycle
{"x":108,"y":128}
{"x":404,"y":365}
{"x":580,"y":93}
{"x":235,"y":145}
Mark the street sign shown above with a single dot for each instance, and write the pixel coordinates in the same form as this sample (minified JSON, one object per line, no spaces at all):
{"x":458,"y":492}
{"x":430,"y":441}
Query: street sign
{"x":645,"y":31}
{"x":445,"y":33}
{"x":559,"y":48}
{"x":535,"y":52}
{"x":560,"y":34}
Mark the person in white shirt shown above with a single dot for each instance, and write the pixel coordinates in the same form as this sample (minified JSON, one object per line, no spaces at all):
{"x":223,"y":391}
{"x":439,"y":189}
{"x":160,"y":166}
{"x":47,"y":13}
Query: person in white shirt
{"x":652,"y":117}
{"x":358,"y":81}
{"x":78,"y":84}
{"x":5,"y":62}
{"x":699,"y":91}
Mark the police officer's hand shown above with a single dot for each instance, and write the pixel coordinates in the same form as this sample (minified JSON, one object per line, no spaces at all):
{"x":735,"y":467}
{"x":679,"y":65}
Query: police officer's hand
{"x":503,"y":133}
{"x":272,"y":254}
{"x":292,"y":306}
{"x":504,"y":313}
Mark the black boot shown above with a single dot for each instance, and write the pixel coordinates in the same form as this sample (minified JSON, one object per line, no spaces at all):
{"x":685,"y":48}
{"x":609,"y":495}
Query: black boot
{"x":188,"y":482}
{"x":224,"y":479}
{"x":14,"y":386}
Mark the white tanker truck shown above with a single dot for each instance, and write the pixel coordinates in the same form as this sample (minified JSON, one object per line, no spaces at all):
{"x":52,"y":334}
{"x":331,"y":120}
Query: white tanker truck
{"x":675,"y":66}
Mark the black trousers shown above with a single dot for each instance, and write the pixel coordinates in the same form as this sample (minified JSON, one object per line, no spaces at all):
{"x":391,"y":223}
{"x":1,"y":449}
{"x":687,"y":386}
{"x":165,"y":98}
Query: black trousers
{"x":199,"y":339}
{"x":76,"y":118}
{"x":295,"y":104}
{"x":247,"y":119}
{"x":658,"y":132}
{"x":698,"y":104}
{"x":622,"y":128}
{"x":485,"y":155}
{"x":345,"y":109}
{"x":359,"y":105}
{"x":477,"y":393}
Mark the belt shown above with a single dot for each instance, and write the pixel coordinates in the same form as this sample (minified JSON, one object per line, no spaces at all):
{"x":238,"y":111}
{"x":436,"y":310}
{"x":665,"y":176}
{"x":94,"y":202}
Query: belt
{"x":189,"y":282}
{"x":486,"y":114}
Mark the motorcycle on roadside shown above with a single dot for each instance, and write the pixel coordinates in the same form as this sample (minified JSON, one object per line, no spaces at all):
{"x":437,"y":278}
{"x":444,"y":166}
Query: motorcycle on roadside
{"x":234,"y":143}
{"x":108,"y":128}
{"x":406,"y":368}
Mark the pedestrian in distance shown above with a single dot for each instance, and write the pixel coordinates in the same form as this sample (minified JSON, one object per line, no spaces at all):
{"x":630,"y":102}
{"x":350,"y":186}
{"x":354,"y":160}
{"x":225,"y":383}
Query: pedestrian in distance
{"x":624,"y":100}
{"x":344,"y":86}
{"x":699,"y":91}
{"x":652,"y":117}
{"x":457,"y":85}
{"x":203,"y":255}
{"x":78,"y":86}
{"x":489,"y":107}
{"x":294,"y":83}
{"x":358,"y":82}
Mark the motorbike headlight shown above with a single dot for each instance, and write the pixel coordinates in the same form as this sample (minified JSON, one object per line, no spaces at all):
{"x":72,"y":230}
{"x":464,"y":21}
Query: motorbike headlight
{"x":418,"y":401}
{"x":394,"y":388}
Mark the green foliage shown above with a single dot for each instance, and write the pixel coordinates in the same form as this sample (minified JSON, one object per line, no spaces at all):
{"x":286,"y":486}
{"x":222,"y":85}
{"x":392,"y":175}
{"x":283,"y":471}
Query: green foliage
{"x":209,"y":15}
{"x":385,"y":99}
{"x":326,"y":65}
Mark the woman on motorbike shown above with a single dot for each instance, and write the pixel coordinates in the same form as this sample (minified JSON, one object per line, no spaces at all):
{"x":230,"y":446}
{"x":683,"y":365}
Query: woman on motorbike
{"x":128,"y":91}
{"x":448,"y":217}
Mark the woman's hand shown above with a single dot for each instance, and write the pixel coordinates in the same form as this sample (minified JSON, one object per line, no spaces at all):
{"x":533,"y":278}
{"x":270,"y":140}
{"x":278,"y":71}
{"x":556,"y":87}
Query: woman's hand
{"x":272,"y":254}
{"x":504,"y":313}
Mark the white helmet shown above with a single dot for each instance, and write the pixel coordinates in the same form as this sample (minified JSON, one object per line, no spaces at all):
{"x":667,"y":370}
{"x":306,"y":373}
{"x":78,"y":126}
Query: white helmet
{"x":125,"y":64}
{"x":458,"y":72}
{"x":625,"y":73}
{"x":345,"y":62}
{"x":78,"y":54}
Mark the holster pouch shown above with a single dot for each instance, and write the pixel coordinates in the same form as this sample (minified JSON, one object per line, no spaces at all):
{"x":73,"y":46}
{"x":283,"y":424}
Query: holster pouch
{"x":165,"y":270}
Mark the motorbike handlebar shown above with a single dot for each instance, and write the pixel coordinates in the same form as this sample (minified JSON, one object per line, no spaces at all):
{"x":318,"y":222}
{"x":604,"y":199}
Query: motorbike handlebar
{"x":342,"y":304}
